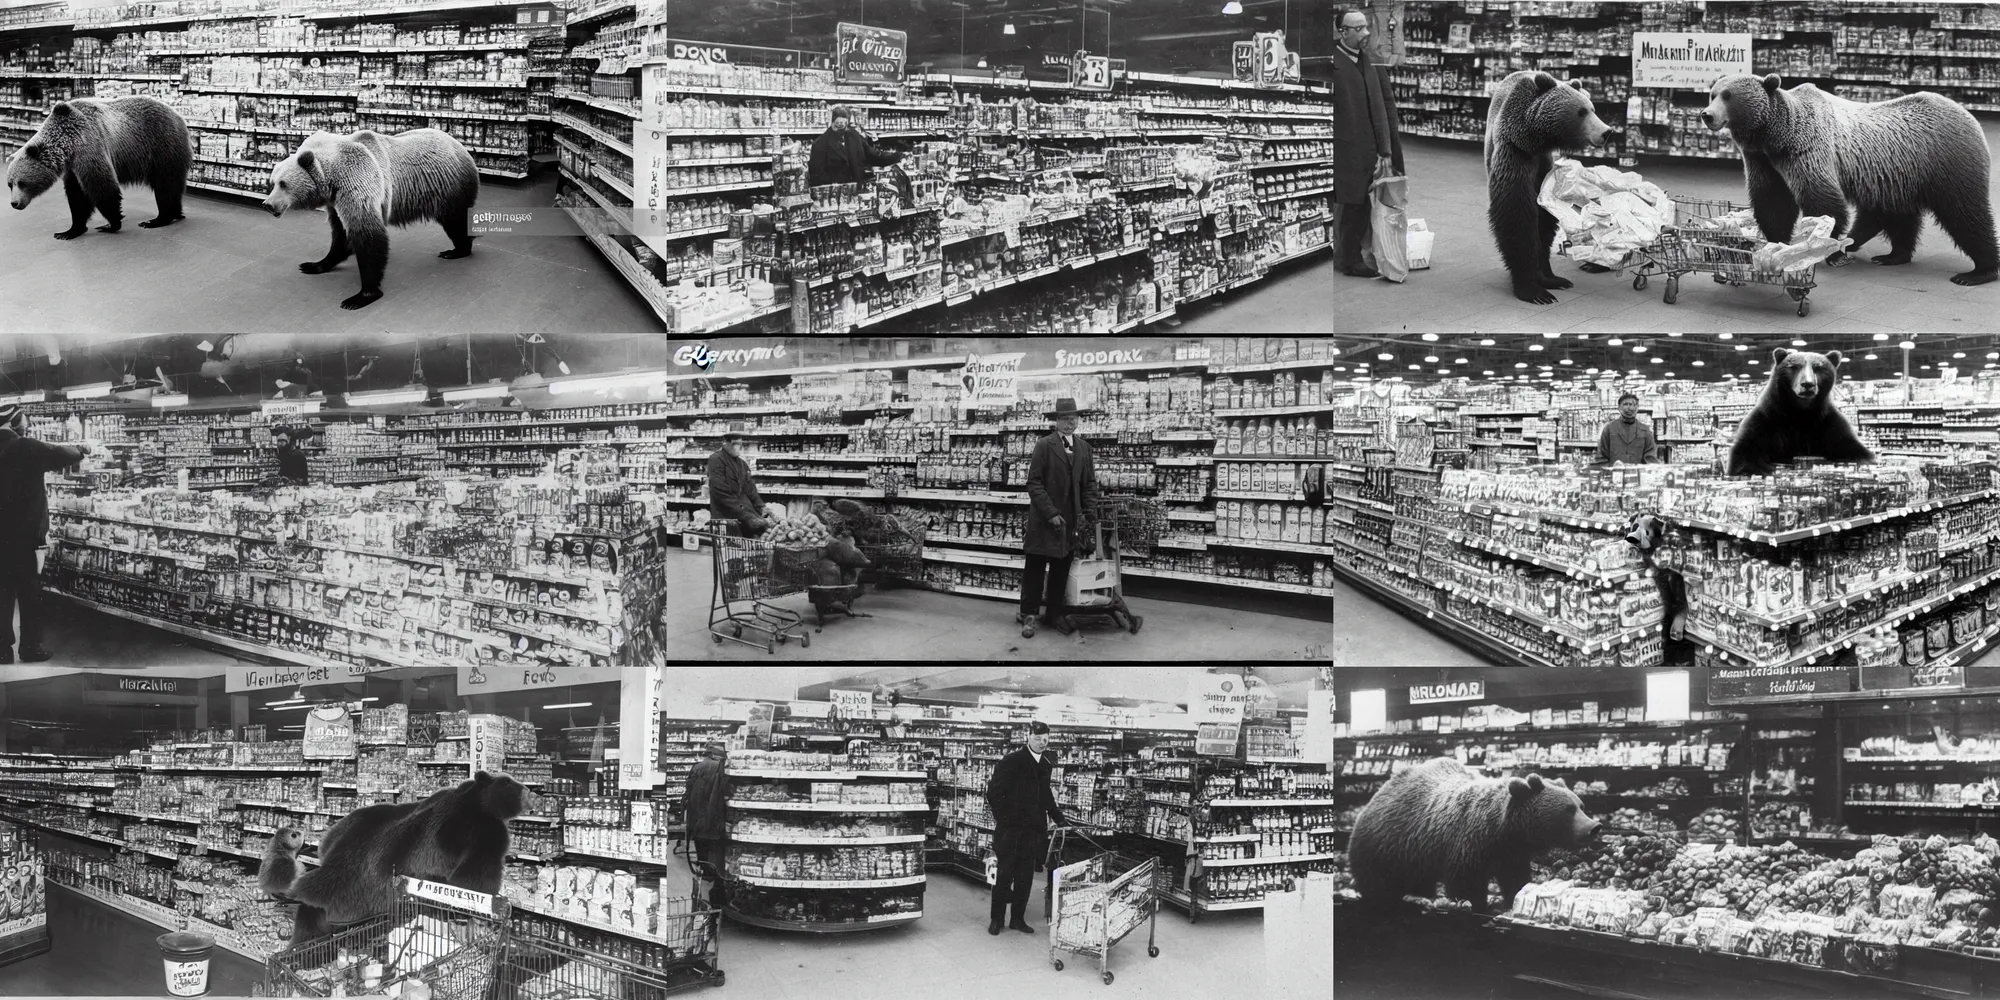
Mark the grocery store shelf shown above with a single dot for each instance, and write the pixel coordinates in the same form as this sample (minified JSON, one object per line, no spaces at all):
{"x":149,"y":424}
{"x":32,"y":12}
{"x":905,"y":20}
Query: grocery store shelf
{"x":828,"y":775}
{"x":875,"y":922}
{"x":1263,"y":803}
{"x":798,"y":883}
{"x":1831,"y":527}
{"x":882,"y":807}
{"x":759,"y":838}
{"x":1294,"y":859}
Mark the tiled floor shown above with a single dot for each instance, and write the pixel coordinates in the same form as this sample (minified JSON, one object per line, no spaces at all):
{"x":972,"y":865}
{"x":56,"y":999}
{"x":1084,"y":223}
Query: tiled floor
{"x":1466,"y":290}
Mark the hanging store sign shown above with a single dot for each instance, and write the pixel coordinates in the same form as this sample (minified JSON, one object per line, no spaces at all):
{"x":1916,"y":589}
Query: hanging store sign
{"x":641,"y":699}
{"x":488,"y":736}
{"x":1243,"y":59}
{"x":1690,"y":60}
{"x":1011,"y":73}
{"x":1934,"y":677}
{"x":237,"y":680}
{"x":1793,"y":681}
{"x":853,"y":704}
{"x":987,"y":381}
{"x":1431,"y":694}
{"x":706,"y":358}
{"x":492,"y":680}
{"x":1217,"y":704}
{"x":1270,"y":58}
{"x":329,"y":733}
{"x":1089,"y":72}
{"x":867,"y":54}
{"x":142,"y":685}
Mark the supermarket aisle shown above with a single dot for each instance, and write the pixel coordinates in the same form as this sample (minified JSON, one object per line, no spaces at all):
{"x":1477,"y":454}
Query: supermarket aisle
{"x":948,"y":626}
{"x":1466,"y":291}
{"x":949,"y":954}
{"x":230,"y":266}
{"x":1296,"y":298}
{"x":98,"y":951}
{"x":81,"y":637}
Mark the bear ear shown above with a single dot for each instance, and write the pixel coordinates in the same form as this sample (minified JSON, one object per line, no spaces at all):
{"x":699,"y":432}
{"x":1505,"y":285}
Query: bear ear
{"x":1835,"y":358}
{"x":1535,"y":782}
{"x":1773,"y":82}
{"x":1780,"y":353}
{"x":62,"y":108}
{"x":482,"y":778}
{"x":306,"y":159}
{"x":1544,"y":83}
{"x":1519,"y":789}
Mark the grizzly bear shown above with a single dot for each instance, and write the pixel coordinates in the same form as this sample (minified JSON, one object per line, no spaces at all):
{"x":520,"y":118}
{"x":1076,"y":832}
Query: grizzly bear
{"x":457,"y":836}
{"x":1796,"y":417}
{"x":93,"y":145}
{"x":1532,"y":116}
{"x":1439,"y":822}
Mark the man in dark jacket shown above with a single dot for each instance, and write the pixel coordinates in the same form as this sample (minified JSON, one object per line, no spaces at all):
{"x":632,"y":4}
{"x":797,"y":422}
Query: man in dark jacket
{"x":24,"y":527}
{"x":1020,"y":798}
{"x":842,"y":154}
{"x":1062,"y":484}
{"x":292,"y":467}
{"x":705,"y":804}
{"x":1364,"y":137}
{"x":732,"y":496}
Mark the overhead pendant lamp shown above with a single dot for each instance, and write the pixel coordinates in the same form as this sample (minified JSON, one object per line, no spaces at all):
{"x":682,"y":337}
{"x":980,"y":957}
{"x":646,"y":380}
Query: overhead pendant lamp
{"x":1009,"y":29}
{"x":1232,"y":7}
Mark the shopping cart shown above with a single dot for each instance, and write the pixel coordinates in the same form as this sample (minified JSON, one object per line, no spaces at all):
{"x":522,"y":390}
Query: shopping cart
{"x":749,"y":572}
{"x":543,"y":969}
{"x":447,"y":938}
{"x":684,"y":849}
{"x":1096,"y":582}
{"x":1693,"y":244}
{"x":1097,"y":902}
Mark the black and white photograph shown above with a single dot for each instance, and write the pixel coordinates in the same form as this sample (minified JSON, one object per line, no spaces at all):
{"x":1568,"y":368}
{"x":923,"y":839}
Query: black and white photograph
{"x":682,"y":167}
{"x":1520,"y":167}
{"x":631,"y":833}
{"x":999,"y":499}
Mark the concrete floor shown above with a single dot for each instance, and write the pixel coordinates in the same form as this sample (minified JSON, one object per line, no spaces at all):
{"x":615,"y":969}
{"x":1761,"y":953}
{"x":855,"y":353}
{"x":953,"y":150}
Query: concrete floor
{"x":229,"y":266}
{"x":910,"y":624}
{"x":1296,"y":298}
{"x":1467,"y":291}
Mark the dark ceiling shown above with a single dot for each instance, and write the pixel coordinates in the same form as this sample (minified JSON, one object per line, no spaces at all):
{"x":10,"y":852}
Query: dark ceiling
{"x":1572,"y":355}
{"x":1182,"y":36}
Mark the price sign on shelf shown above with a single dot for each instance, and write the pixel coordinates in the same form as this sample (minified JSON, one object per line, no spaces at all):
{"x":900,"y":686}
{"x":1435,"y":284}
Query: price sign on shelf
{"x":1092,"y":72}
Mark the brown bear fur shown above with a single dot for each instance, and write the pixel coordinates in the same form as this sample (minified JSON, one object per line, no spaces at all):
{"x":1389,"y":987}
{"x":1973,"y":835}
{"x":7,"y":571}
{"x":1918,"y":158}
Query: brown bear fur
{"x":457,"y":836}
{"x":1439,"y":822}
{"x":1796,"y":417}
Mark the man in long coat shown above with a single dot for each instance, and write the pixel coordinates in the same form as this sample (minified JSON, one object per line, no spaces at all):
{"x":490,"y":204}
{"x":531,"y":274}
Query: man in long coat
{"x":1062,"y":483}
{"x":1022,"y":804}
{"x":24,"y":527}
{"x":1364,"y":136}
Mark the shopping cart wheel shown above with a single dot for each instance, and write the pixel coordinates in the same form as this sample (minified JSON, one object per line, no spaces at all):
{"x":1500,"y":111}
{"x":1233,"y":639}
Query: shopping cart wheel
{"x":1639,"y":283}
{"x":1673,"y":290}
{"x":770,"y":646}
{"x":1137,"y":620}
{"x":1107,"y":977}
{"x":1152,"y":951}
{"x":805,"y":640}
{"x":718,"y":977}
{"x":717,"y":637}
{"x":1058,"y":965}
{"x":1805,"y":306}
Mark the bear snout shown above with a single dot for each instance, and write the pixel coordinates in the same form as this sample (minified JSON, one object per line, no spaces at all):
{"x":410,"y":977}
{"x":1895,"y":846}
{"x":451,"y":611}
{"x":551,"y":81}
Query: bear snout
{"x":275,"y":211}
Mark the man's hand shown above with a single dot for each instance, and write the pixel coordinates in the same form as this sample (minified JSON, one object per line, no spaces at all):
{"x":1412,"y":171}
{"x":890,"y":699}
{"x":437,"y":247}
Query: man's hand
{"x":1383,"y":163}
{"x":1058,"y":522}
{"x":755,"y":525}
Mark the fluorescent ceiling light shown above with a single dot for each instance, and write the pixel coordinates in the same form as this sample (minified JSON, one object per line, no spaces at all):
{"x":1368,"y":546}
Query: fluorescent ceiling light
{"x":90,"y":391}
{"x":1009,"y":29}
{"x":570,"y":704}
{"x":1232,"y":7}
{"x":388,"y":397}
{"x":628,"y":380}
{"x":493,"y":391}
{"x":171,"y":399}
{"x":38,"y":396}
{"x":204,"y":347}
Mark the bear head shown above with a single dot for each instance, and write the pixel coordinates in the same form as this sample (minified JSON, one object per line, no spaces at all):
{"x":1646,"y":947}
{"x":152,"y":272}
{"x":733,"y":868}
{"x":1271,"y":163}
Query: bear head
{"x":1802,"y":379}
{"x":501,"y":796}
{"x":1746,"y":105}
{"x":299,"y":180}
{"x":1547,"y":813}
{"x":288,"y":840}
{"x":1561,"y":115}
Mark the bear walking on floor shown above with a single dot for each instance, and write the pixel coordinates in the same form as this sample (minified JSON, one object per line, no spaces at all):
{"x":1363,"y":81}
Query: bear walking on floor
{"x":368,"y":182}
{"x":93,"y":145}
{"x":1808,"y":152}
{"x":1439,"y":822}
{"x":1796,"y":417}
{"x":457,"y":836}
{"x":1532,"y":116}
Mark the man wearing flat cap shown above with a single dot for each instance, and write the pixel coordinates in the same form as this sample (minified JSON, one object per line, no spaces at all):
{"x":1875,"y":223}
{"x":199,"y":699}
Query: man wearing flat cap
{"x":1062,"y":484}
{"x":24,"y":527}
{"x":732,"y":495}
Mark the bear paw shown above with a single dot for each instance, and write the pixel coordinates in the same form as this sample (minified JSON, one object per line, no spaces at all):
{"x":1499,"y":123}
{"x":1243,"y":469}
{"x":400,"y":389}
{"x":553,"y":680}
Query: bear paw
{"x":1556,"y":281}
{"x":455,"y":253}
{"x":1891,"y":259}
{"x":361,"y":298}
{"x":1840,"y":258}
{"x":1589,"y":268}
{"x":70,"y":234}
{"x":110,"y":227}
{"x":1534,"y":294}
{"x":316,"y":267}
{"x":1976,"y":277}
{"x":161,"y":221}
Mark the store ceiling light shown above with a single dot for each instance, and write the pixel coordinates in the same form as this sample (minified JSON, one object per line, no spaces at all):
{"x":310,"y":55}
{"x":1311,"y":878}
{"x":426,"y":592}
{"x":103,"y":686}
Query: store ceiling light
{"x":1881,"y":336}
{"x":1232,"y":7}
{"x":171,"y":399}
{"x":1534,"y":347}
{"x":1488,"y":372}
{"x":1460,"y":361}
{"x":1908,"y":345}
{"x":1009,"y":29}
{"x":388,"y":397}
{"x":88,"y":391}
{"x":1725,"y":336}
{"x":569,"y":704}
{"x":1638,"y":348}
{"x":1486,"y":342}
{"x":493,"y":391}
{"x":1868,"y":357}
{"x":1958,"y":354}
{"x":1616,"y":342}
{"x":1385,"y":356}
{"x":1430,"y":336}
{"x":1565,"y":361}
{"x":1520,"y":364}
{"x":1742,"y":347}
{"x":1698,"y":362}
{"x":1415,"y":367}
{"x":38,"y":396}
{"x":1656,"y":359}
{"x":1433,"y":359}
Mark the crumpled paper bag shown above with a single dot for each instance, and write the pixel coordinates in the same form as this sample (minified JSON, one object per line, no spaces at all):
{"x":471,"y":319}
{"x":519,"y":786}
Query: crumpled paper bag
{"x":1604,"y":212}
{"x":1812,"y":242}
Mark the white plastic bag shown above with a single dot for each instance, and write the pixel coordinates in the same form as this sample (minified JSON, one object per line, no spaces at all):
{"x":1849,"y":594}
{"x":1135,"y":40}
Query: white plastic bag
{"x":1812,"y":241}
{"x":1604,"y":213}
{"x":1388,"y":196}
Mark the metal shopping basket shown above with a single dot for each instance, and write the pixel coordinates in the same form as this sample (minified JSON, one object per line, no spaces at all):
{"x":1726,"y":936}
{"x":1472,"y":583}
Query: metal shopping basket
{"x":1692,"y":245}
{"x":1097,"y":902}
{"x":749,"y":572}
{"x":447,"y":938}
{"x":1096,"y":586}
{"x":541,"y":969}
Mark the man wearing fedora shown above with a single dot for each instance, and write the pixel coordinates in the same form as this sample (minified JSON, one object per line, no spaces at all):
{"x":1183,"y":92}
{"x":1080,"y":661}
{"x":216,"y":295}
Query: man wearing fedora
{"x":24,"y":527}
{"x":732,"y":495}
{"x":1062,"y":481}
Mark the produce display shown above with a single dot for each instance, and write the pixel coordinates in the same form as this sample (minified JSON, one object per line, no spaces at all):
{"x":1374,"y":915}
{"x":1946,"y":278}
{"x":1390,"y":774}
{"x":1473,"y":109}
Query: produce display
{"x":1716,"y":825}
{"x":1619,"y":862}
{"x":1630,"y":818}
